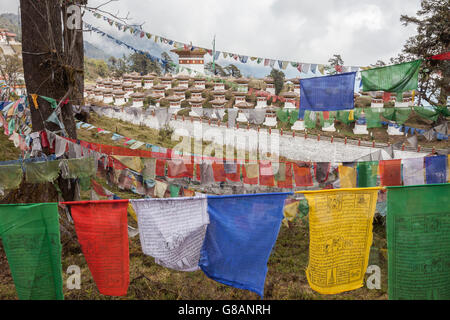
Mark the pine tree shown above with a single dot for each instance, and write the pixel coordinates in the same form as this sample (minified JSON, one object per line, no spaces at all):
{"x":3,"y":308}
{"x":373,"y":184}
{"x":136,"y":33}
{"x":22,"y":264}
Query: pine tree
{"x":432,"y":38}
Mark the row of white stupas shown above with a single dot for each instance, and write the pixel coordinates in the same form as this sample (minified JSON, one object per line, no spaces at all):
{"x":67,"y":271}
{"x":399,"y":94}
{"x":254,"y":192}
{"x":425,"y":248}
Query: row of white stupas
{"x":137,"y":88}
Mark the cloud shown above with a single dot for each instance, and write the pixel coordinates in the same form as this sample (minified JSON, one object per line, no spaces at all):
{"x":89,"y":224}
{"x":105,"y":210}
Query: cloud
{"x":362,"y":31}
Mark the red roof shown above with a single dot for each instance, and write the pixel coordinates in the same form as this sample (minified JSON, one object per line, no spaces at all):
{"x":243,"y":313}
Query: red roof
{"x":9,"y":34}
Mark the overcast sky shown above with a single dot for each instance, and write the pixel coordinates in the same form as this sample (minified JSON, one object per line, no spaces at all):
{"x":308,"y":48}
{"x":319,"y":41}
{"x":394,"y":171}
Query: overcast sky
{"x":362,"y":31}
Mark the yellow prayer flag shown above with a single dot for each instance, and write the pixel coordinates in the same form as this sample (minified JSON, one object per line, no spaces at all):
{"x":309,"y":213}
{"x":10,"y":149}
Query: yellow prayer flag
{"x":290,"y":211}
{"x":340,"y":224}
{"x":351,"y":115}
{"x":347,"y":176}
{"x":34,"y":96}
{"x":134,"y":163}
{"x":160,"y":189}
{"x":252,"y":170}
{"x":131,"y":212}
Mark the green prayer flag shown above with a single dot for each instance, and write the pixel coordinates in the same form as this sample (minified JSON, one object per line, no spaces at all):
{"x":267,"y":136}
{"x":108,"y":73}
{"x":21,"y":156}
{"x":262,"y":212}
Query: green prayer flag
{"x":418,"y":242}
{"x":402,"y":114}
{"x":282,"y":115}
{"x":343,"y":116}
{"x":174,"y":190}
{"x":10,"y":176}
{"x":294,"y":116}
{"x":309,"y":123}
{"x":389,"y":113}
{"x":397,"y":78}
{"x":367,"y":174}
{"x":31,"y":239}
{"x":51,"y":101}
{"x":373,"y":118}
{"x":40,"y":172}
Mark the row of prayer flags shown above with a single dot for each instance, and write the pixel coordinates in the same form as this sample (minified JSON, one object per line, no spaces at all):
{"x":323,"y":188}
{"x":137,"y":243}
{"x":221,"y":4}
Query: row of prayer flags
{"x":230,"y":238}
{"x":282,"y":64}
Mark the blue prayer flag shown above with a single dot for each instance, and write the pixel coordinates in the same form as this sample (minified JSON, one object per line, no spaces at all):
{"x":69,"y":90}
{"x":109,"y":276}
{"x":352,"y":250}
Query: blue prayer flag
{"x":328,"y":93}
{"x":242,"y":231}
{"x":436,"y":169}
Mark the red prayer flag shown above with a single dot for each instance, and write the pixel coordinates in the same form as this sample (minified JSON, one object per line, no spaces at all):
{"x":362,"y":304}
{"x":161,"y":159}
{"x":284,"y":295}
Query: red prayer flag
{"x":98,"y":188}
{"x":235,"y":177}
{"x":391,"y":172}
{"x":442,"y":56}
{"x":266,"y":173}
{"x":219,"y":172}
{"x":302,"y":175}
{"x":287,"y":183}
{"x":386,"y":96}
{"x":248,"y":180}
{"x":160,"y":167}
{"x":102,"y":232}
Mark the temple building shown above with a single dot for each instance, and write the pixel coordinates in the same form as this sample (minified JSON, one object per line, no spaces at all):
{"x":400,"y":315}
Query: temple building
{"x":192,"y":59}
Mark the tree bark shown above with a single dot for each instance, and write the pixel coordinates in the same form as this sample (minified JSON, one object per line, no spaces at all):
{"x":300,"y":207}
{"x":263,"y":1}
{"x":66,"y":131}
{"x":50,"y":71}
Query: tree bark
{"x":50,"y":69}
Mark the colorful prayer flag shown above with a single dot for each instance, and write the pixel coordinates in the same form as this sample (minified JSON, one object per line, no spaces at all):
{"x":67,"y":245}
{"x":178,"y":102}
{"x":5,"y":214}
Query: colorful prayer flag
{"x":340,"y":223}
{"x":418,"y":225}
{"x":240,"y":237}
{"x":328,"y":93}
{"x":102,"y":232}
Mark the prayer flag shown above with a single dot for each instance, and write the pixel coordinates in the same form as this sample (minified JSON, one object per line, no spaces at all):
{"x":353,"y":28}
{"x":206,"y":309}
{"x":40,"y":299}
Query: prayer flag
{"x":302,"y":174}
{"x":328,"y":93}
{"x":102,"y":232}
{"x":436,"y":169}
{"x":396,"y":78}
{"x":31,"y":239}
{"x":418,"y":225}
{"x":391,"y":172}
{"x":172,"y":230}
{"x":367,"y":174}
{"x":284,"y":175}
{"x":347,"y":176}
{"x":413,"y":173}
{"x":240,"y":237}
{"x":340,"y":224}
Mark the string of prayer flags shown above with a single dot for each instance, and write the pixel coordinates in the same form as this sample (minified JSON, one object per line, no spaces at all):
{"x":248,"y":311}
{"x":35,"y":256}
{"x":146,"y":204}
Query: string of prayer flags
{"x":436,"y":169}
{"x":31,"y":239}
{"x":172,"y":230}
{"x":40,"y":172}
{"x":328,"y":93}
{"x":102,"y":232}
{"x":391,"y":172}
{"x":340,"y":224}
{"x":396,"y":78}
{"x":239,"y":239}
{"x":418,"y":225}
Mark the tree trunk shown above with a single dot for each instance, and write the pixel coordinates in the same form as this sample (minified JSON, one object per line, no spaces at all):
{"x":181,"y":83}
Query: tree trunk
{"x":50,"y":70}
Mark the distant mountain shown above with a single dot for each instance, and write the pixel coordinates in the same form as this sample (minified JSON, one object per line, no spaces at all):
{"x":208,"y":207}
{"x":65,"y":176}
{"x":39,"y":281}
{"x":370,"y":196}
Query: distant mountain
{"x":10,"y":21}
{"x":93,"y":52}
